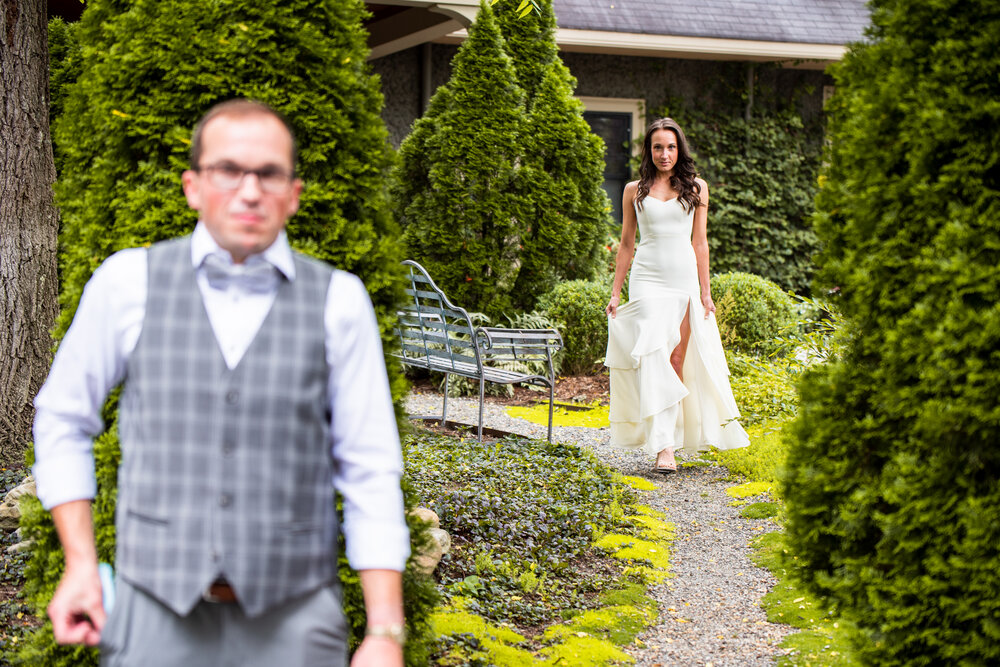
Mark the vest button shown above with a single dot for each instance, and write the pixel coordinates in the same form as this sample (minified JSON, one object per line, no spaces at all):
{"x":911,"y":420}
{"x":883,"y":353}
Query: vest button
{"x":225,"y":500}
{"x":232,"y":397}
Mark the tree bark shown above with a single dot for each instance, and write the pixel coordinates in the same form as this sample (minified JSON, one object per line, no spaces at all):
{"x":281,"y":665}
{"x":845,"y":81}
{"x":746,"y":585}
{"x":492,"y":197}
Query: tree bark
{"x":29,"y":221}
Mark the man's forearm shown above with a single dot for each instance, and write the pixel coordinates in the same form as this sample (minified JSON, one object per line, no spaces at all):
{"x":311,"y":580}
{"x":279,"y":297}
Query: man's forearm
{"x":383,"y":590}
{"x":76,"y":532}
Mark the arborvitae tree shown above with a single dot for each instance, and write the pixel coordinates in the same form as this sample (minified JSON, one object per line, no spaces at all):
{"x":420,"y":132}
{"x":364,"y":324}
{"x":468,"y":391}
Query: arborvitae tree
{"x":893,"y":484}
{"x":149,"y":69}
{"x":569,"y":212}
{"x":530,"y":42}
{"x":456,"y":187}
{"x":567,"y":207}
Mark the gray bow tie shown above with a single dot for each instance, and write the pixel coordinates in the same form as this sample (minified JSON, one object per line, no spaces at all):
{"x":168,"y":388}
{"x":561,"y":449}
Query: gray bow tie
{"x":258,"y":277}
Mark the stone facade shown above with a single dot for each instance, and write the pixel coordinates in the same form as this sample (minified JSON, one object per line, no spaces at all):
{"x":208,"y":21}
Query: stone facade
{"x":712,"y":85}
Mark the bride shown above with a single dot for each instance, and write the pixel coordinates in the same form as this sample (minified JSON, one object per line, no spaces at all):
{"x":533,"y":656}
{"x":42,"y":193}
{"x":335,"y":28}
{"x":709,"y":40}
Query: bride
{"x":669,"y":378}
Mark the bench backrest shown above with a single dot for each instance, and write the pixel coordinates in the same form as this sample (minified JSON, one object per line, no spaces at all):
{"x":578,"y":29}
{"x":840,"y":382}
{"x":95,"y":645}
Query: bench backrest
{"x":430,"y":325}
{"x":519,"y":344}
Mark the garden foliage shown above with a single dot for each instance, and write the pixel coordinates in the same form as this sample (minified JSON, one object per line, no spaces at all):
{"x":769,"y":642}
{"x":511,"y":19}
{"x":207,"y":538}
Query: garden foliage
{"x":761,"y":178}
{"x":577,"y":307}
{"x":519,"y":512}
{"x":751,"y":311}
{"x":499,"y":191}
{"x":892,"y":486}
{"x":135,"y":84}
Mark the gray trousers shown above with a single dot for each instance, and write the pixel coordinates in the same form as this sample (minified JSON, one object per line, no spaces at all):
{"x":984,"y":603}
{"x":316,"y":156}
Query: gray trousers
{"x":305,"y":632}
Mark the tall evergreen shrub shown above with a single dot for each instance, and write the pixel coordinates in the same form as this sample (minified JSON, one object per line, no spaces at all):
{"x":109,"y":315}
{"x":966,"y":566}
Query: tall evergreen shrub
{"x":147,"y":70}
{"x":499,"y":184}
{"x":457,"y":186}
{"x":893,"y":483}
{"x":567,"y":207}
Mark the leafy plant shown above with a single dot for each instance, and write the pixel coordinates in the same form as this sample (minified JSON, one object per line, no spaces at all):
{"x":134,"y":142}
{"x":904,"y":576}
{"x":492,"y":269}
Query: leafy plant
{"x":578,"y":308}
{"x":762,"y":389}
{"x":752,"y":311}
{"x":521,"y":513}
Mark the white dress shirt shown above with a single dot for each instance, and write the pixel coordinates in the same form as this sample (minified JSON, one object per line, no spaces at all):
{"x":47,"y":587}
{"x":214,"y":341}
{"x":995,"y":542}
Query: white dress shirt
{"x":92,"y":358}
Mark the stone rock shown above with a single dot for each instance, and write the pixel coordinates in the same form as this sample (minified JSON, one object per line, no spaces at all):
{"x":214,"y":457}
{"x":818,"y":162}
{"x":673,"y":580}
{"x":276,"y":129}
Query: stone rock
{"x":427,"y":516}
{"x":10,"y":513}
{"x":20,"y":546}
{"x":427,"y":560}
{"x":443,"y":538}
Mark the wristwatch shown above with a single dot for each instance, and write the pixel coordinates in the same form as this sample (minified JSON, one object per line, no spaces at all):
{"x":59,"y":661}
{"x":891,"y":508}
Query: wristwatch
{"x":394,"y":631}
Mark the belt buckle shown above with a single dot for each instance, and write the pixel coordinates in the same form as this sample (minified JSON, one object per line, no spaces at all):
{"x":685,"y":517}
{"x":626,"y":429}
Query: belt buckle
{"x":208,"y":596}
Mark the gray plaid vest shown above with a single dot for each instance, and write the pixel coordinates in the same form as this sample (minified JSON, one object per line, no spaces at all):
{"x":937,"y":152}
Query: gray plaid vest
{"x":226,"y":472}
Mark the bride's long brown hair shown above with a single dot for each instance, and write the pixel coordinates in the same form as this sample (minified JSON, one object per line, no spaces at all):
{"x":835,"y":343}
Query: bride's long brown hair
{"x":684,"y":172}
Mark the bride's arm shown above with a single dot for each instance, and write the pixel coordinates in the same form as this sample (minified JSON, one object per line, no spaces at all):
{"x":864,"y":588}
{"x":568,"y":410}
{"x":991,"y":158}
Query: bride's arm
{"x":623,"y":260}
{"x":700,"y":242}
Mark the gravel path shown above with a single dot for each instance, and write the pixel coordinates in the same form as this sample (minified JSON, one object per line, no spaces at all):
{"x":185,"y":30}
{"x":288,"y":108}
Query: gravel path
{"x":710,"y":610}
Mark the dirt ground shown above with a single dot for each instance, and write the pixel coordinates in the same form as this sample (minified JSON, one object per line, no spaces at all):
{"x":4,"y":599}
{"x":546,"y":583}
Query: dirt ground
{"x":570,"y":389}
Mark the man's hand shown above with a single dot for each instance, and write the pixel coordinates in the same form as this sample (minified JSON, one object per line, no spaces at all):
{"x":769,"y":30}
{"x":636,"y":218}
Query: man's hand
{"x":378,"y":652}
{"x":77,"y":608}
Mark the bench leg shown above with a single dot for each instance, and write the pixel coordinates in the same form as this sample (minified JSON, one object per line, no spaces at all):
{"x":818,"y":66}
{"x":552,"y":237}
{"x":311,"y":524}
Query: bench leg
{"x":482,"y":391}
{"x":552,"y":401}
{"x":444,"y":408}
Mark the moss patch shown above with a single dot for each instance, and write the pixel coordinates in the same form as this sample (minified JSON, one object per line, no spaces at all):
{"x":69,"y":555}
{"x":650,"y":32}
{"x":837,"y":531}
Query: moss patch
{"x":824,"y":640}
{"x":595,"y":416}
{"x":759,"y":511}
{"x":618,"y":624}
{"x":585,"y":651}
{"x":639,"y":483}
{"x":631,"y":594}
{"x":749,"y":489}
{"x":590,"y":638}
{"x":697,"y":463}
{"x":494,"y":642}
{"x":652,"y":525}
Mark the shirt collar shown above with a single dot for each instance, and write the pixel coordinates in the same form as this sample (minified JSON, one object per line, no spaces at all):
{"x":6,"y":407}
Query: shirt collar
{"x":278,"y":254}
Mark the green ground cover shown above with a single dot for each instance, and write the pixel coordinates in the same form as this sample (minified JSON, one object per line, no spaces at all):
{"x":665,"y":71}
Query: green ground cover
{"x":551,"y":552}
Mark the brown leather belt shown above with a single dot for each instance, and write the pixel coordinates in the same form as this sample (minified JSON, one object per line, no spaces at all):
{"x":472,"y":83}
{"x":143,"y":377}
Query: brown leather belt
{"x":219,"y":591}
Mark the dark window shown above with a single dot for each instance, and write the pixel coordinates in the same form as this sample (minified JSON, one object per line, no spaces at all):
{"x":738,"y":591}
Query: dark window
{"x":616,"y":130}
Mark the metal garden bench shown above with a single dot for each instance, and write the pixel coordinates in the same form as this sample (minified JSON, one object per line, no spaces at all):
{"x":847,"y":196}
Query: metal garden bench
{"x":439,"y":336}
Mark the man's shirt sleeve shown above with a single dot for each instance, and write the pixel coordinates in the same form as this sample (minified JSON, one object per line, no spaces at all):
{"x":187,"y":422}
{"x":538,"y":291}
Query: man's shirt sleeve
{"x":89,"y":363}
{"x":366,"y":449}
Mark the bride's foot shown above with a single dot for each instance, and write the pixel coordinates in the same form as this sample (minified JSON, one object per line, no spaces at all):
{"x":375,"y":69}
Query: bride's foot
{"x":665,"y":461}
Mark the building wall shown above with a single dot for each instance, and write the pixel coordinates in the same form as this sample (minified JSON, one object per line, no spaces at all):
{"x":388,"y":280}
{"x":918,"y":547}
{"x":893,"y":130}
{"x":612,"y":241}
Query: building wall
{"x":711,"y":85}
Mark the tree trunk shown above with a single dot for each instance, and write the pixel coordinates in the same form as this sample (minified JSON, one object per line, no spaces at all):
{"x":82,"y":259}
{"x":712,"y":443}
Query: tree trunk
{"x":29,"y":220}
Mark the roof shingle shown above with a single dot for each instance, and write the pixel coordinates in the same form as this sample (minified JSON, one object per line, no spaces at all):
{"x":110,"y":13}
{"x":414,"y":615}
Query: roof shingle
{"x":807,"y":21}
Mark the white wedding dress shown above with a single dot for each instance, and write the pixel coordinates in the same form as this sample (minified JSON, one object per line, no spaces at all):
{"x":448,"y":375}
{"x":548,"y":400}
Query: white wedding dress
{"x":651,"y":408}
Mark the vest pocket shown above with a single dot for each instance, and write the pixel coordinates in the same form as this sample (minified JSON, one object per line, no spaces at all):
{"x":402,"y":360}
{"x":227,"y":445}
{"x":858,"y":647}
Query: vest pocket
{"x":303,"y":528}
{"x":147,"y":518}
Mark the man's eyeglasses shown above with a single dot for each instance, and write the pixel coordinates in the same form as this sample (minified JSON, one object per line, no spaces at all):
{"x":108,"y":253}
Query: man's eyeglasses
{"x":227,"y":176}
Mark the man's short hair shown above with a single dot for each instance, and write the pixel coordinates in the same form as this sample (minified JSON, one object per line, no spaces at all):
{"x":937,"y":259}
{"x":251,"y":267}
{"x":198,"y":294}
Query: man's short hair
{"x":238,"y":108}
